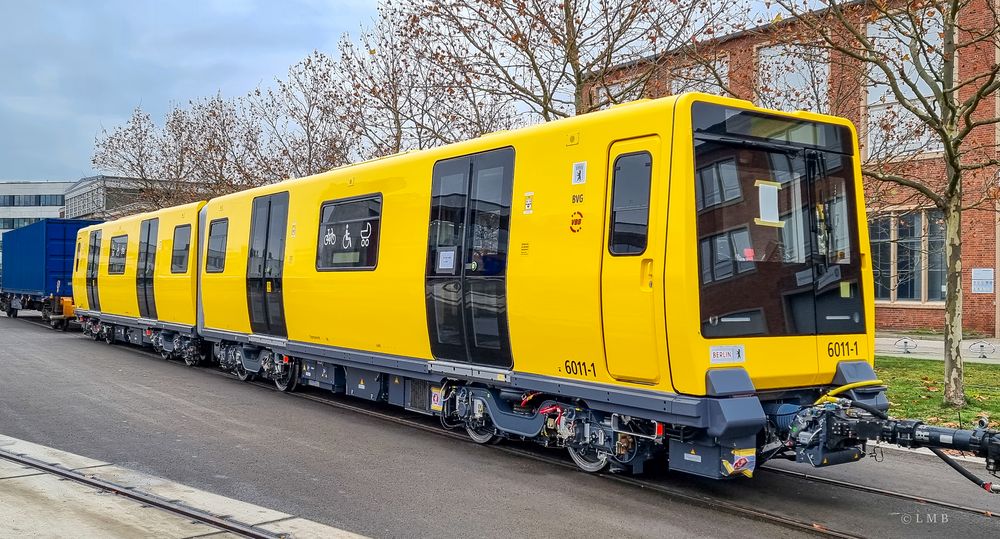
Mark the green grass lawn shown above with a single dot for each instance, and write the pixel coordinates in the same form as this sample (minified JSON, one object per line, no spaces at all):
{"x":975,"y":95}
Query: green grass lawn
{"x":916,"y":391}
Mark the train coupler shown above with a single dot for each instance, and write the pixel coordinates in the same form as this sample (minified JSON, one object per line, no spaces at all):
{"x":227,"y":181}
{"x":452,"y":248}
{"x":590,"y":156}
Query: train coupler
{"x":837,"y":430}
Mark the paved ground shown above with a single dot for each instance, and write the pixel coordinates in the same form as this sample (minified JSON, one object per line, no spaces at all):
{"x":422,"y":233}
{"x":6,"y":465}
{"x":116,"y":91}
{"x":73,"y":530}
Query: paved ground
{"x":932,"y":347}
{"x":386,"y":480}
{"x":37,"y":503}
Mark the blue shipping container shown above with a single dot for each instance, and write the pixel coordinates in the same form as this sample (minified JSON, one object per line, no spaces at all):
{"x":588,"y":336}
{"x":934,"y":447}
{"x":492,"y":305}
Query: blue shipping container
{"x":38,"y":258}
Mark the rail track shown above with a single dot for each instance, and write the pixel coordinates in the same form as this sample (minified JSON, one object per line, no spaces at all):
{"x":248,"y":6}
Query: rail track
{"x":423,"y":423}
{"x":223,"y":524}
{"x":882,"y":492}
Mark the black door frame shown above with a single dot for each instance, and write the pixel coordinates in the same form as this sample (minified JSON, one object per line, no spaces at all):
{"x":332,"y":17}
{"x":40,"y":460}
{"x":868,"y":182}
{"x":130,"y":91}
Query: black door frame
{"x":265,"y":300}
{"x":466,"y":286}
{"x":93,"y":266}
{"x":145,"y":267}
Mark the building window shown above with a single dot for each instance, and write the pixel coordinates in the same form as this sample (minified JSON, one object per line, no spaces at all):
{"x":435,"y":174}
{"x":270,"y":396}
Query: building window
{"x":793,"y":77}
{"x":17,"y":222}
{"x":215,"y":259}
{"x":717,"y":183}
{"x":892,"y":130}
{"x":116,"y":257}
{"x":908,"y":256}
{"x":725,"y":255}
{"x":182,"y":246}
{"x":604,"y":94}
{"x":349,"y":234}
{"x":711,"y":77}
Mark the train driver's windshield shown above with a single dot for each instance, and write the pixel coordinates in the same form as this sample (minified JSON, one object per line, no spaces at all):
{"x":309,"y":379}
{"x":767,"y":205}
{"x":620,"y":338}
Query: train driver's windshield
{"x":777,"y":226}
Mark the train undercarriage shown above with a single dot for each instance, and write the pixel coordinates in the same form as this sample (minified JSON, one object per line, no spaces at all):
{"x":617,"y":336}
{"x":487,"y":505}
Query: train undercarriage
{"x":808,"y":426}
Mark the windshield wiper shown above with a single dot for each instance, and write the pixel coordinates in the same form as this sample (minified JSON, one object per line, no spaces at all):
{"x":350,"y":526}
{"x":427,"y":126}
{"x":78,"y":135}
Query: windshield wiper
{"x":772,"y":146}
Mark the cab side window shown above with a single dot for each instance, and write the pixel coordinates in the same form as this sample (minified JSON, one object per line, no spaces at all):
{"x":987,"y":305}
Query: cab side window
{"x":215,"y":260}
{"x":630,"y":203}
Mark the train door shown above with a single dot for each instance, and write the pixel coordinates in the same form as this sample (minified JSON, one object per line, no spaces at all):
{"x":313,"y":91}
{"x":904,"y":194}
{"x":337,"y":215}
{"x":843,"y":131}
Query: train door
{"x":144,"y":269}
{"x":93,"y":264}
{"x":632,"y":262}
{"x":265,"y":264}
{"x":467,"y":258}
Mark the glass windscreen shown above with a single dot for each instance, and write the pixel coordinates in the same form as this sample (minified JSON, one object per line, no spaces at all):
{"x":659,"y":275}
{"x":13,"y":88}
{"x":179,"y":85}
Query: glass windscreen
{"x":777,"y":228}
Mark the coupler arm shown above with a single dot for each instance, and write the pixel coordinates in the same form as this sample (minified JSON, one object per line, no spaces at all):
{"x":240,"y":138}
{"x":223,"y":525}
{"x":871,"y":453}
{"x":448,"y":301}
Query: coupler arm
{"x":825,"y":432}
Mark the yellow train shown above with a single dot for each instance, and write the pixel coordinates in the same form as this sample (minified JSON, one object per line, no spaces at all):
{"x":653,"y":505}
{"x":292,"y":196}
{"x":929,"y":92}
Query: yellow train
{"x":677,"y":277}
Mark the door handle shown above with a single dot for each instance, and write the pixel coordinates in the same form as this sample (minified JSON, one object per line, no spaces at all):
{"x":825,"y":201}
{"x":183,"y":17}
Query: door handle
{"x":646,"y":274}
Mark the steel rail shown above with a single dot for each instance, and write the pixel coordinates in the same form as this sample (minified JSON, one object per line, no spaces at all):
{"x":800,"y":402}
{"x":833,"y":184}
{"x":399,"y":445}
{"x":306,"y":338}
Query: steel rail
{"x":880,"y":491}
{"x":224,"y":524}
{"x":643,"y":484}
{"x":724,"y":505}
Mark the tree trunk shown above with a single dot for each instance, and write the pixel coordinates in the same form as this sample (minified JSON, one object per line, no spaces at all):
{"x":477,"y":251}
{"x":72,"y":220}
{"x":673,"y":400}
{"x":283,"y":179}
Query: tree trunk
{"x":954,"y":392}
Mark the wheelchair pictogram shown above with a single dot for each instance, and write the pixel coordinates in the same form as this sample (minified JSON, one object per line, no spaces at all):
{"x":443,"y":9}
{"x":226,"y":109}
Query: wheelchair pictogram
{"x":346,"y":243}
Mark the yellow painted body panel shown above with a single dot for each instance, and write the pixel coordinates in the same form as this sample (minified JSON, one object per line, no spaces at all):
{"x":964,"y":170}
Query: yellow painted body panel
{"x":772,"y":362}
{"x":631,"y":291}
{"x":117,"y":291}
{"x":633,"y":319}
{"x":80,"y":269}
{"x":175,"y":294}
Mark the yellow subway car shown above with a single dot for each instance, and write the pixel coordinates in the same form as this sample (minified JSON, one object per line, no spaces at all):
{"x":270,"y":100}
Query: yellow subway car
{"x":674,"y":278}
{"x":137,"y":280}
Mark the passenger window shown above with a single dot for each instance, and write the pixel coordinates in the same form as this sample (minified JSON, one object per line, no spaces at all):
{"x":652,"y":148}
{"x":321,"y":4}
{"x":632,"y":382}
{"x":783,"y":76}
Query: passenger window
{"x":215,"y":260}
{"x":349,"y":234}
{"x":630,"y":203}
{"x":182,"y":246}
{"x":116,"y":258}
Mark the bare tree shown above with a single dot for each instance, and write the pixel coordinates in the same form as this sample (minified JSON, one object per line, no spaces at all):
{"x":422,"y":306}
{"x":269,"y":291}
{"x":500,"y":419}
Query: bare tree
{"x":393,"y":100}
{"x":544,"y":55}
{"x":153,"y":164}
{"x":919,"y":102}
{"x":298,"y":129}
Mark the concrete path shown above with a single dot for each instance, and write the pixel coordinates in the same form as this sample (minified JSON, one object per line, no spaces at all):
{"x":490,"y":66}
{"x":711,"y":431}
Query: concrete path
{"x":34,"y":503}
{"x":923,"y":347}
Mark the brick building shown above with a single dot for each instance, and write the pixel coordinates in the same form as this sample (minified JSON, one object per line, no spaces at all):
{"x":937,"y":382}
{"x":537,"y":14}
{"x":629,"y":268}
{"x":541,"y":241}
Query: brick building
{"x":766,"y":67}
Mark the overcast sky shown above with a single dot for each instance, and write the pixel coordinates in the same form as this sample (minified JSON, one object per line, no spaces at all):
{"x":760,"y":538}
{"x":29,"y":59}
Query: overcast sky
{"x":68,"y":67}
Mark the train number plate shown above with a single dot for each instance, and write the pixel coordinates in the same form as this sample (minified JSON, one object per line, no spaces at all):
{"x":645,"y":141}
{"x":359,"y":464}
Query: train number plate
{"x":727,"y":354}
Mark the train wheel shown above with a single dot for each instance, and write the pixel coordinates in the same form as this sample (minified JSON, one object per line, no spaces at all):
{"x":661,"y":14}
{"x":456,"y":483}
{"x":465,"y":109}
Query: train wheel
{"x":483,"y":434}
{"x":109,"y":335}
{"x":289,"y":380}
{"x":589,"y":460}
{"x":243,"y":374}
{"x":192,"y":359}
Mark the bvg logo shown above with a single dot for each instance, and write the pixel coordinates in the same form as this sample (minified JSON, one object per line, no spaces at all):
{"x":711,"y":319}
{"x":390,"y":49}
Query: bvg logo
{"x":575,"y":222}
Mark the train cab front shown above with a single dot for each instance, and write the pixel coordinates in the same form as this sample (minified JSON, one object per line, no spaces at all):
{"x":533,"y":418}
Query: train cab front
{"x":773,"y":209}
